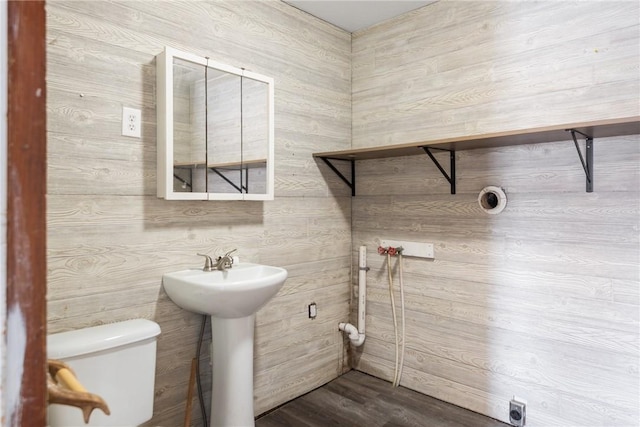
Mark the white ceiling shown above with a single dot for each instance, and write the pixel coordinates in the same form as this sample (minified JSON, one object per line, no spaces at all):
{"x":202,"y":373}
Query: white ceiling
{"x":353,"y":15}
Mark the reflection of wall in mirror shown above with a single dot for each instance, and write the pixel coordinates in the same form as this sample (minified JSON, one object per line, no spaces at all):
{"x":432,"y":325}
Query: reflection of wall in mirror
{"x":181,"y":128}
{"x":254,"y":183}
{"x":188,"y":146}
{"x":225,"y":141}
{"x":231,"y":137}
{"x":197,"y":109}
{"x":255,"y":111}
{"x":253,"y":180}
{"x":223,"y":109}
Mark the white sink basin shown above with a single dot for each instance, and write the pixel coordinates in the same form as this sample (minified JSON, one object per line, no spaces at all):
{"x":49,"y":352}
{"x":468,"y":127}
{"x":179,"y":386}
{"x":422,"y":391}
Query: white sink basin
{"x":239,"y":291}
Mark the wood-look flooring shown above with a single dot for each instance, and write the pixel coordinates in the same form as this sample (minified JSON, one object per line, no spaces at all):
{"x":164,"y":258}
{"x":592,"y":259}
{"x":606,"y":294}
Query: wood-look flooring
{"x":358,"y":399}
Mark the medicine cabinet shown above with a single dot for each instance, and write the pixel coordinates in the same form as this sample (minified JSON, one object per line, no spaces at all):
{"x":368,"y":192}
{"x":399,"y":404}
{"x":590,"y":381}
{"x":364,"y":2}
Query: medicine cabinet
{"x":215,"y":130}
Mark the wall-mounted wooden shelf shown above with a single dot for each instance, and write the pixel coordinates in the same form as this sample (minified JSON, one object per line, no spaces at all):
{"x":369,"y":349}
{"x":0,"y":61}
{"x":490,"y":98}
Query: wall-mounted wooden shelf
{"x":588,"y":130}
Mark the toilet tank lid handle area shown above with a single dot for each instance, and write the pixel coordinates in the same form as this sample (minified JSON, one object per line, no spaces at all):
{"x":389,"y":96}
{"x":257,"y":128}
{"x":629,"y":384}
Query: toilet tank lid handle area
{"x":80,"y":342}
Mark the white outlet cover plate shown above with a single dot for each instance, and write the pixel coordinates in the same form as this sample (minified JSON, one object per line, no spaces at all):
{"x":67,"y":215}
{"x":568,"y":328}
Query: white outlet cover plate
{"x":414,"y":249}
{"x":131,"y":122}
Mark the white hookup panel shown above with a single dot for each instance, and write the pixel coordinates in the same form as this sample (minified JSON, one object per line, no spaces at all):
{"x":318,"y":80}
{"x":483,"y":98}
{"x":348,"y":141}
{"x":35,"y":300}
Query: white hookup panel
{"x":414,"y":249}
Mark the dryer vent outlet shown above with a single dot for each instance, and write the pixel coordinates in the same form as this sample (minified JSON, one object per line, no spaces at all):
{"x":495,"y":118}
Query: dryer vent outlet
{"x":517,"y":413}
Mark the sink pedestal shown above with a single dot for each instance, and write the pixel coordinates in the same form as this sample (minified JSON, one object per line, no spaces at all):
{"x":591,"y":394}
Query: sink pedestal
{"x":232,"y":396}
{"x":231,"y":297}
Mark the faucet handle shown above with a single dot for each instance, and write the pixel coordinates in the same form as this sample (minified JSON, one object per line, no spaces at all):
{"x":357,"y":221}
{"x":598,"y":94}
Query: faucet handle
{"x":229,"y":257}
{"x":208,"y":262}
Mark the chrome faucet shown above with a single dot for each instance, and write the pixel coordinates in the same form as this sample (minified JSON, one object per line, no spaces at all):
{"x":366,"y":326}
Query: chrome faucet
{"x":222,"y":262}
{"x":208,"y":263}
{"x":225,"y":261}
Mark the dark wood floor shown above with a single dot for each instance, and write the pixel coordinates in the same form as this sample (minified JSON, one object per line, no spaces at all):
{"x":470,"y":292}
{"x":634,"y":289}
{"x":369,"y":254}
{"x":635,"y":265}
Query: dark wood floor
{"x":357,"y":399}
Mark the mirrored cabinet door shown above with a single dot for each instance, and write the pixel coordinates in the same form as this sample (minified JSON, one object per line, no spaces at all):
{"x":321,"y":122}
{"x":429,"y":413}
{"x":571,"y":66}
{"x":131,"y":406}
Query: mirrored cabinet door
{"x":224,"y":132}
{"x":215,"y":130}
{"x":189,"y":117}
{"x":256,"y":132}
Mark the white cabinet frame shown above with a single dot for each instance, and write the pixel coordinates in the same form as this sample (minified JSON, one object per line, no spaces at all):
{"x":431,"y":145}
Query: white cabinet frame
{"x":165,"y":128}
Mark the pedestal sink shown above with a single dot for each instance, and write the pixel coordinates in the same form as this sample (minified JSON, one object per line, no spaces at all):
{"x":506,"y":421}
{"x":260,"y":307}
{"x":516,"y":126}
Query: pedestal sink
{"x":231,"y":298}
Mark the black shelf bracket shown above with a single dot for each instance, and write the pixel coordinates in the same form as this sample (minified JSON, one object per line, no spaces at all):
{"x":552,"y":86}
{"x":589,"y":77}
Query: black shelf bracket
{"x":452,"y":165}
{"x":239,"y":188}
{"x":587,"y":159}
{"x":352,"y":183}
{"x":184,"y":182}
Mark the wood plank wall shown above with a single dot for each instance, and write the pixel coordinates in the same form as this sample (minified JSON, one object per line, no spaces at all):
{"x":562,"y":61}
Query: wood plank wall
{"x":110,"y":239}
{"x":541,"y":301}
{"x":457,"y":68}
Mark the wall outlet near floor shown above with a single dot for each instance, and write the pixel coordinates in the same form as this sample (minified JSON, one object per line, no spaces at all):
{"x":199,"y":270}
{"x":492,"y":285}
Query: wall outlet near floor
{"x":414,"y":249}
{"x":517,"y":412}
{"x":313,"y":310}
{"x":131,"y":122}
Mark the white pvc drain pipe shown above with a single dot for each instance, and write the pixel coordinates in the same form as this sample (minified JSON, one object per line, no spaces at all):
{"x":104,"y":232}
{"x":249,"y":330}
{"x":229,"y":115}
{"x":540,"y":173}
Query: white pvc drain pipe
{"x":356,"y":335}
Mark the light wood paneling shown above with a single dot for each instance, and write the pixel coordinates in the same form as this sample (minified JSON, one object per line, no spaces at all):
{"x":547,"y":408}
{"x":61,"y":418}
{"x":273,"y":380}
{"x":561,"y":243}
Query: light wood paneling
{"x":552,"y":281}
{"x":457,"y":68}
{"x":541,"y":301}
{"x":110,"y":239}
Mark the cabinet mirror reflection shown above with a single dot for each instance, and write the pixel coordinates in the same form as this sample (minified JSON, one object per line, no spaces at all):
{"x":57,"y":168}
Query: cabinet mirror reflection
{"x":221,"y":142}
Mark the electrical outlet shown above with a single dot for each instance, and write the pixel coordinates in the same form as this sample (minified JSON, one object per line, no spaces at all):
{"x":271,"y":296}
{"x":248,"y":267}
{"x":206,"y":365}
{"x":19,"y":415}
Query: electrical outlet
{"x":131,"y":122}
{"x":517,"y":413}
{"x":313,"y":310}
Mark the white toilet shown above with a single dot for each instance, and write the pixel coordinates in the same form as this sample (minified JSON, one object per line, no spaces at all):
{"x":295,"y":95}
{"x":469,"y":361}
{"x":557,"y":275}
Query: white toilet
{"x":115,"y":361}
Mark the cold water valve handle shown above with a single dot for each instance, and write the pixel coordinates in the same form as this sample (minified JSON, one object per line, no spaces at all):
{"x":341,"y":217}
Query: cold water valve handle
{"x":225,"y":261}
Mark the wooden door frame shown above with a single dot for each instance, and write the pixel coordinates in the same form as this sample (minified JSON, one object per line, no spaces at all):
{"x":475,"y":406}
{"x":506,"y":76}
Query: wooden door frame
{"x":26,"y":213}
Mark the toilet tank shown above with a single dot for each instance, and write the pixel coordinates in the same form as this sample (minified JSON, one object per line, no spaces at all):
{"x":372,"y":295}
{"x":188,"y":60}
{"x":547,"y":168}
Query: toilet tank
{"x":115,"y":361}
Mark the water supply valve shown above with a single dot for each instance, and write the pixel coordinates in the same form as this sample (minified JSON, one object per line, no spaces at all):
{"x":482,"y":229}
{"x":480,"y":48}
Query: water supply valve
{"x":390,"y":250}
{"x":406,"y":248}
